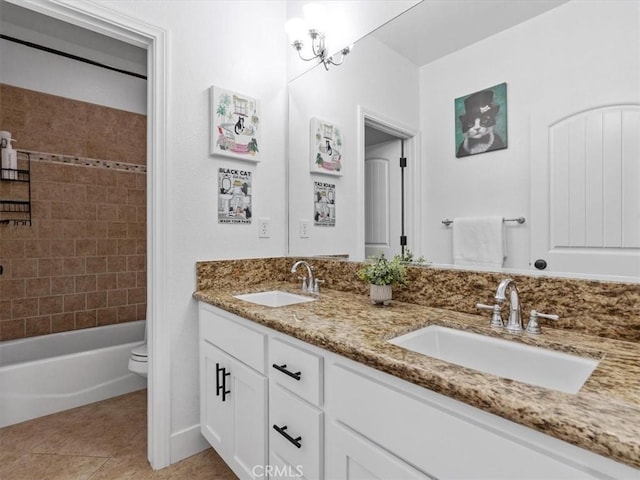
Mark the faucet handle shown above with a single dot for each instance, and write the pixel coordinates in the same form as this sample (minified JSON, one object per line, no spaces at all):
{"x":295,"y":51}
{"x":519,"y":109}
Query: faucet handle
{"x":496,"y":318}
{"x":533,"y":326}
{"x":304,"y":283}
{"x":316,"y":286}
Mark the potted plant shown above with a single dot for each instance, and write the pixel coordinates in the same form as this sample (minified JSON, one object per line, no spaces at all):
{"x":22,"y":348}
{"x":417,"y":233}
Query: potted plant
{"x":382,"y":273}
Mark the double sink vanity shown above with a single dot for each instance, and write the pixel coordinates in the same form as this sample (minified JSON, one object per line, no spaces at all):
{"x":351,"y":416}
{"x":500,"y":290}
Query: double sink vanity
{"x":326,"y":385}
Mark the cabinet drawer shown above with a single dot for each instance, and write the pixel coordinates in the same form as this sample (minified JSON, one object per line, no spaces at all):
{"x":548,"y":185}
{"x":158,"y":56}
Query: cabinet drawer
{"x":302,"y":424}
{"x":228,"y":332}
{"x":296,"y":369}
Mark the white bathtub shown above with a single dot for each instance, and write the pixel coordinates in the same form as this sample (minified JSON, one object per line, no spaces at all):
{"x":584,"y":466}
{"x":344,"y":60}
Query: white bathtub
{"x":51,"y":373}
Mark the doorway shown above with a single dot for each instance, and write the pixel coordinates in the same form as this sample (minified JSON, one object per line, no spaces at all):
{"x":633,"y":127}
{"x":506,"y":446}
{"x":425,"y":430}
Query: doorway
{"x":107,"y":22}
{"x":383,"y":196}
{"x":390,"y":193}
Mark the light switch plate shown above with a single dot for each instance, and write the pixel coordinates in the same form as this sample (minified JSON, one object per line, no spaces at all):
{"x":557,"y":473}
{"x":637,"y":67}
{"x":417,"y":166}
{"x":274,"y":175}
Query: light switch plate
{"x":264,"y":228}
{"x":305,"y":227}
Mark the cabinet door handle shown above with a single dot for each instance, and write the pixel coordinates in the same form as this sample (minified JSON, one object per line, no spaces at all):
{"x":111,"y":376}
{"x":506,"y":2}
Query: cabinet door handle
{"x":221,"y":382}
{"x":281,"y":431}
{"x":283,"y":369}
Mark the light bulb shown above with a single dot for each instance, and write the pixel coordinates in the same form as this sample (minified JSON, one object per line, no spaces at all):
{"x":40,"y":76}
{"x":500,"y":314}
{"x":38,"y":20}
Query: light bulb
{"x":296,"y":28}
{"x":315,"y":15}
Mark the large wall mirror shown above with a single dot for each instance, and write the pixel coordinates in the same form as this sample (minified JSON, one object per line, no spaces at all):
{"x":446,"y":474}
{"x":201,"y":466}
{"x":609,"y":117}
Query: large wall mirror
{"x":571,"y":168}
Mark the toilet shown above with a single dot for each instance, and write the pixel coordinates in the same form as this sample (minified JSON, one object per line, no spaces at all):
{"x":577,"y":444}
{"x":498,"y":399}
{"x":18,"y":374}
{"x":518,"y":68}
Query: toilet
{"x":138,"y":361}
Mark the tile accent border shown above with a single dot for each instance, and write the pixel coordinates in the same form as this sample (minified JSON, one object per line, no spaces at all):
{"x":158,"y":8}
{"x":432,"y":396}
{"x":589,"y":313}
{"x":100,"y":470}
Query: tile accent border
{"x":85,"y":162}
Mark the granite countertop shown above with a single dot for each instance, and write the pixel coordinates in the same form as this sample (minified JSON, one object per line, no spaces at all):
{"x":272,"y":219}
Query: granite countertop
{"x":603,"y":417}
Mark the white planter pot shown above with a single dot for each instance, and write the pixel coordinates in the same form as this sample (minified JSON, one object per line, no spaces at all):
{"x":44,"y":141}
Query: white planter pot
{"x":380,"y":294}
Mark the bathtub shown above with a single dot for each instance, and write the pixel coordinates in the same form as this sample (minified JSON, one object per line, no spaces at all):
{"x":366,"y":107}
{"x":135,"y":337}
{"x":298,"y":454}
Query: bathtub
{"x":51,"y":373}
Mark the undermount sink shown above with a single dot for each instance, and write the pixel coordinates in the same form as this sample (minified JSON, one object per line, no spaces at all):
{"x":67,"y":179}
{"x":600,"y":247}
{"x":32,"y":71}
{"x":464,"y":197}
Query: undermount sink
{"x":516,"y":361}
{"x":274,"y":298}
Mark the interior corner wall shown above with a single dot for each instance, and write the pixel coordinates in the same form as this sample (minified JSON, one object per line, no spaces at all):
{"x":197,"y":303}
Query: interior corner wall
{"x":336,"y":97}
{"x":237,"y":46}
{"x":580,"y":50}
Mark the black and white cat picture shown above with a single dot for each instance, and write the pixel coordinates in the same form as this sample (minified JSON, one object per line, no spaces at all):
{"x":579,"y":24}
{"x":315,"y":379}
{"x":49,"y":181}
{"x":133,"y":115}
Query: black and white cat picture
{"x":478,"y":125}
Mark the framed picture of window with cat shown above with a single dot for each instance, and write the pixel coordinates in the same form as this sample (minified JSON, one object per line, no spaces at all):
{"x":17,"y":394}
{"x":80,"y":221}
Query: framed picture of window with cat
{"x":481,"y":121}
{"x":325,"y":147}
{"x":235,"y":125}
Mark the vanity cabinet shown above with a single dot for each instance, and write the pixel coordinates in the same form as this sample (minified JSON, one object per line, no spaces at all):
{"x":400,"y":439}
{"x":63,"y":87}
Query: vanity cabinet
{"x":379,"y":426}
{"x":294,"y":410}
{"x":233,"y":392}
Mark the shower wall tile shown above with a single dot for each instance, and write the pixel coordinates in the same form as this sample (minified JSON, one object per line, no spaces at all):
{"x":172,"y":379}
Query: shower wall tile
{"x":107,"y":316}
{"x":86,"y":319}
{"x":96,"y":300}
{"x":48,"y":123}
{"x":12,"y":329}
{"x":63,"y":322}
{"x":62,"y":285}
{"x":50,"y":305}
{"x":5,"y":310}
{"x":96,"y":264}
{"x":82,"y":262}
{"x":37,"y":326}
{"x":24,"y":267}
{"x":127,"y":313}
{"x":38,"y":287}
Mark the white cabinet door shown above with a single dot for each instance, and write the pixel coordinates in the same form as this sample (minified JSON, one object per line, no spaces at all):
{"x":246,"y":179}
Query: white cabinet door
{"x":352,"y":457}
{"x":248,"y":394}
{"x":216,"y":416}
{"x":233,"y":411}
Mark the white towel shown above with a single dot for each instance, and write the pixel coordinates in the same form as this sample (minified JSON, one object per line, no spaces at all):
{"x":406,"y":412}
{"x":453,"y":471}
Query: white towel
{"x":479,"y":241}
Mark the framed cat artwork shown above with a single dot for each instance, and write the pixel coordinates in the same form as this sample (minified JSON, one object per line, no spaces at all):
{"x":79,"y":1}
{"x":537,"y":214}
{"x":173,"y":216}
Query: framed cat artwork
{"x":235,"y":125}
{"x":481,"y":121}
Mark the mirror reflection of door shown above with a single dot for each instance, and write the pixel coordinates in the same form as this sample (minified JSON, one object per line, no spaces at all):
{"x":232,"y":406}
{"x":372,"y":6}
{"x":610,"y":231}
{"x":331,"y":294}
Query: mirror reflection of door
{"x":382,"y":193}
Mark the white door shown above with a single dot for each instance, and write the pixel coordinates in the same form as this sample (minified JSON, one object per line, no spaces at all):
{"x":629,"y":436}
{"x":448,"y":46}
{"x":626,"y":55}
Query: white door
{"x":585,"y":194}
{"x":383,"y":199}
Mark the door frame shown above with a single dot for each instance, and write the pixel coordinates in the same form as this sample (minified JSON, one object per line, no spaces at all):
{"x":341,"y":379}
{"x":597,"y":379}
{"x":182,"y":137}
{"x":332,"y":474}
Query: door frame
{"x":413,"y":199}
{"x":110,"y":23}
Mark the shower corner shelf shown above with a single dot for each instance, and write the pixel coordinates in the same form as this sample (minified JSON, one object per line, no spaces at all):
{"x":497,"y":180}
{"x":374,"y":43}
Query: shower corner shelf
{"x":14,"y":211}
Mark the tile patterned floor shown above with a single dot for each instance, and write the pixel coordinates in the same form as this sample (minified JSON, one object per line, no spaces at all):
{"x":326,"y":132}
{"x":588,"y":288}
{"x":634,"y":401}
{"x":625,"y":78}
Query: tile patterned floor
{"x":102,"y":441}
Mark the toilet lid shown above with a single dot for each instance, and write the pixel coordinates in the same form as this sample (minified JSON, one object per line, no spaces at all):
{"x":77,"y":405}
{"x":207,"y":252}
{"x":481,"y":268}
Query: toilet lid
{"x":140,"y":351}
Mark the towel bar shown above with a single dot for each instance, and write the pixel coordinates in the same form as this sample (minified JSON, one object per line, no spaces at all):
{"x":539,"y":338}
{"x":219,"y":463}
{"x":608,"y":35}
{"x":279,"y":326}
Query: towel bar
{"x":520,"y":220}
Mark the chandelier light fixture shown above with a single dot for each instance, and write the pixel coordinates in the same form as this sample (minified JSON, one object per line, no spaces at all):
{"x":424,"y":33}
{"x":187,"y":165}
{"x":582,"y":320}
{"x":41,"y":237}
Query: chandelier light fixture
{"x":314,"y":25}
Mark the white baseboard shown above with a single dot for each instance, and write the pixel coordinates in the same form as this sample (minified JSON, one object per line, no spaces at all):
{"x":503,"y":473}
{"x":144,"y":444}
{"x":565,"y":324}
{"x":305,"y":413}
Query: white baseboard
{"x":187,"y":442}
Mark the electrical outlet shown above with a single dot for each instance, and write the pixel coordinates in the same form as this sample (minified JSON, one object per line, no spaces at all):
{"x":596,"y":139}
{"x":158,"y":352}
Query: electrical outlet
{"x":305,"y":226}
{"x":264,"y":228}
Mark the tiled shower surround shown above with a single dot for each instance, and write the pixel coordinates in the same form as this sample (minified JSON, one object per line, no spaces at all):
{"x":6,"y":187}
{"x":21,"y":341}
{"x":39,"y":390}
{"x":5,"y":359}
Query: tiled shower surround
{"x":82,"y":263}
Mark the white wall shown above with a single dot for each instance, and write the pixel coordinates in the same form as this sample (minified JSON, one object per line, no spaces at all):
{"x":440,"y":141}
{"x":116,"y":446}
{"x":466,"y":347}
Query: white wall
{"x":334,"y":96}
{"x":579,"y":53}
{"x":239,"y":46}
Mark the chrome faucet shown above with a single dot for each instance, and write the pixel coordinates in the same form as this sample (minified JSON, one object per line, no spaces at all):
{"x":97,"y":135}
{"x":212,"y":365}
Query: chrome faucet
{"x":514,"y":324}
{"x":307,"y":286}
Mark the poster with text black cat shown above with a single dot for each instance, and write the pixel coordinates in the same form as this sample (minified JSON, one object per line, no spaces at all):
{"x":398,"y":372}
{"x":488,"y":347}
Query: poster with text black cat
{"x":481,"y":121}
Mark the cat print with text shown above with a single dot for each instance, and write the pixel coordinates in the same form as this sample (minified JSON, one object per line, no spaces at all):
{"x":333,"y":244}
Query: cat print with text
{"x":478,"y":124}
